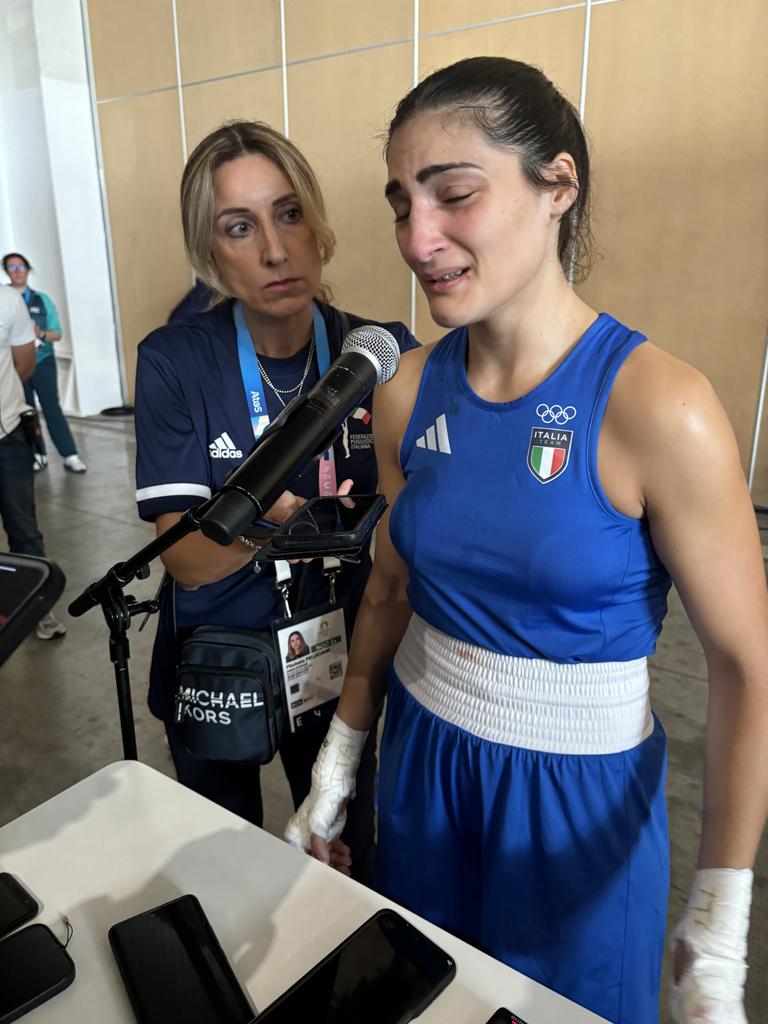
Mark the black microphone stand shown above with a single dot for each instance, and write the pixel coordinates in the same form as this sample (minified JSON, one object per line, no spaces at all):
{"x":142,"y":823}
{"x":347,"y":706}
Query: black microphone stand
{"x":119,"y":609}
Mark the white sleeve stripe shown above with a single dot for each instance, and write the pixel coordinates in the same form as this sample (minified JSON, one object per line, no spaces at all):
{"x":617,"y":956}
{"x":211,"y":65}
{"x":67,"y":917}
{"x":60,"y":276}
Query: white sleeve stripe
{"x":172,"y":490}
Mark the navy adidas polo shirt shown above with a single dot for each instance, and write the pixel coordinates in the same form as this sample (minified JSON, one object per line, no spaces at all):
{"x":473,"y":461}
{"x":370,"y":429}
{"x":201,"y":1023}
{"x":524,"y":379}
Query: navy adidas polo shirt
{"x":192,"y":429}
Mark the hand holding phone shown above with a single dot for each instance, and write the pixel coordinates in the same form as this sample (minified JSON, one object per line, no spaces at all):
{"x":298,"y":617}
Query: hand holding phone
{"x":326,"y":526}
{"x":339,"y":522}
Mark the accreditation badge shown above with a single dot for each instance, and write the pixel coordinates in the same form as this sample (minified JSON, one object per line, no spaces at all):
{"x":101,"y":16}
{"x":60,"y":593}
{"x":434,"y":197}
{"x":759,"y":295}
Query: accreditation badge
{"x":313,"y":654}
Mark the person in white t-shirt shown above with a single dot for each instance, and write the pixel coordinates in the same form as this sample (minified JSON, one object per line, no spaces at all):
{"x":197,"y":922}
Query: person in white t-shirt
{"x":17,"y":493}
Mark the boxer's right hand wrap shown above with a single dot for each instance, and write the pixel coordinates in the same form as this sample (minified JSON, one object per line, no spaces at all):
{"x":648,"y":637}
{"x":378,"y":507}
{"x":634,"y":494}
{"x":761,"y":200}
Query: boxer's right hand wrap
{"x":714,"y":933}
{"x":324,"y":811}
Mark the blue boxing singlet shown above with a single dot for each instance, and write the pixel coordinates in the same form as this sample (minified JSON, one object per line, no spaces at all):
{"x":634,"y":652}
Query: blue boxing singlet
{"x":521,"y":794}
{"x":511,"y":543}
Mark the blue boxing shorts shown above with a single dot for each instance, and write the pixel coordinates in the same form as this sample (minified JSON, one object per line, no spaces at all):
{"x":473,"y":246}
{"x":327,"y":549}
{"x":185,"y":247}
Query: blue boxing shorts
{"x":556,"y":864}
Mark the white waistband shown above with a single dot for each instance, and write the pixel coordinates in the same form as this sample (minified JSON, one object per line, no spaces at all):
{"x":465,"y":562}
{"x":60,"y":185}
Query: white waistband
{"x":585,"y":708}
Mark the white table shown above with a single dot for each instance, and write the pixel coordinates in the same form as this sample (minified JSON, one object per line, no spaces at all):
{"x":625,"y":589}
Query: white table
{"x":128,"y":838}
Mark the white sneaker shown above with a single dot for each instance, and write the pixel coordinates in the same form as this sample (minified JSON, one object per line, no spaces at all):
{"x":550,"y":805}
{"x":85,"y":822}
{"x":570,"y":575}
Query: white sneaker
{"x":40,"y":461}
{"x":49,"y":627}
{"x":74,"y":464}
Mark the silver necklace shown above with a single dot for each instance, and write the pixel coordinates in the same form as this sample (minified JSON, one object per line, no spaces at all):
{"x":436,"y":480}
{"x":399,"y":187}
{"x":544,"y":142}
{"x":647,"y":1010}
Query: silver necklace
{"x":279,"y":392}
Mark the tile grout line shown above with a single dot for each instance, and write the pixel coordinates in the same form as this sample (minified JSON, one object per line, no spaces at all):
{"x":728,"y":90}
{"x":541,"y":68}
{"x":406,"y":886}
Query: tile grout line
{"x":582,"y":98}
{"x":182,"y":119}
{"x":585,"y":59}
{"x":180,"y":95}
{"x":104,"y":202}
{"x":415,"y":82}
{"x":284,"y":68}
{"x":560,"y":9}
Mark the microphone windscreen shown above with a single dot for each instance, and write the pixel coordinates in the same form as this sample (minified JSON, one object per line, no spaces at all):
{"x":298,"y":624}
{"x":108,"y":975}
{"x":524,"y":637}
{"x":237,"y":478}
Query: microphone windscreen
{"x":379,"y":345}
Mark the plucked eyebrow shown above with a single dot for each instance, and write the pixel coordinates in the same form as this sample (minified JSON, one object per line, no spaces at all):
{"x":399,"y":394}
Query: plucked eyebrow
{"x":288,"y":198}
{"x":426,"y":173}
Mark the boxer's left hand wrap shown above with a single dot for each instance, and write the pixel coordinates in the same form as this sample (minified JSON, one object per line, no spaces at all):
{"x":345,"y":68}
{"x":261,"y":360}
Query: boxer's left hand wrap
{"x":713,"y":932}
{"x":324,"y":813}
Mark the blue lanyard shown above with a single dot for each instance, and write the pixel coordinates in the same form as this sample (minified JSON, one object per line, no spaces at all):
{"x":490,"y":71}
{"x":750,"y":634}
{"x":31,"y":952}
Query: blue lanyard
{"x":255,"y":395}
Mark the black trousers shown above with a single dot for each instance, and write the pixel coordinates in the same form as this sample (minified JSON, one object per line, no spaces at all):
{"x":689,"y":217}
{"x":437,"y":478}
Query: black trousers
{"x":238,"y":787}
{"x":17,"y":495}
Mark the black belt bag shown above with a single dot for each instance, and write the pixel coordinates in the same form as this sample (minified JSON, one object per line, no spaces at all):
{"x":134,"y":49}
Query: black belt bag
{"x":229,"y":703}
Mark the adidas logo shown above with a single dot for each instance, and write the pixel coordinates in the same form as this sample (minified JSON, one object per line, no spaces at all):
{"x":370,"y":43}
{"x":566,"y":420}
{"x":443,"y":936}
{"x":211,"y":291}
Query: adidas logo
{"x":436,"y":438}
{"x":223,"y":448}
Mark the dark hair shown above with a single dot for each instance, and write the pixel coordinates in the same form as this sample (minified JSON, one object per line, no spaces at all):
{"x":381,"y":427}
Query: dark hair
{"x":9,"y":256}
{"x":517,"y":107}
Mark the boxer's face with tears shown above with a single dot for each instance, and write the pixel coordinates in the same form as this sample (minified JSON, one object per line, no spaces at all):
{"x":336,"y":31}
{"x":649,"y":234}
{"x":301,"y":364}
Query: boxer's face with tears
{"x":262,"y":247}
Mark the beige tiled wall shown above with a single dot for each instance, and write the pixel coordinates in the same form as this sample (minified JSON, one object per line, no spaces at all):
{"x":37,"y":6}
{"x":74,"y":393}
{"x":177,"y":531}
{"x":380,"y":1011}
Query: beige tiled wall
{"x":674,"y":111}
{"x":337,"y":127}
{"x":313,"y":28}
{"x":225,"y":37}
{"x":552,"y":41}
{"x":132,"y":46}
{"x":256,"y":97}
{"x":141,"y":141}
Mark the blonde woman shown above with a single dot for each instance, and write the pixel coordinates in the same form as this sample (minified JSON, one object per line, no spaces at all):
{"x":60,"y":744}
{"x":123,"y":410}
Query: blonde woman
{"x":256,"y":233}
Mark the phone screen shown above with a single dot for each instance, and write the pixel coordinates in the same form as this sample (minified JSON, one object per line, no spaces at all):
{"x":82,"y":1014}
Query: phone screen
{"x":16,"y":904}
{"x":503,"y":1016}
{"x":325,"y":516}
{"x":174,"y":968}
{"x":33,"y":966}
{"x":385,"y":973}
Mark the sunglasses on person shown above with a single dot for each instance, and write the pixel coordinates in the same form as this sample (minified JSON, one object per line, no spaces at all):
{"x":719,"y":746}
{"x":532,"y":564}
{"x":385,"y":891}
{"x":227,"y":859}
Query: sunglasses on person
{"x":16,"y":266}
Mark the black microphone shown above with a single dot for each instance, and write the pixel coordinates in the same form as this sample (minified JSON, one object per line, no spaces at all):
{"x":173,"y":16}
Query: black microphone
{"x":305,"y":429}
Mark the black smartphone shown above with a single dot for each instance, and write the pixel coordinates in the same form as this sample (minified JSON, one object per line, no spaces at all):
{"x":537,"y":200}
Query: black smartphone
{"x":386,"y":972}
{"x":29,"y":587}
{"x":174,"y":969}
{"x":325,"y":524}
{"x":503,"y":1016}
{"x":17,"y":906}
{"x":34,"y":966}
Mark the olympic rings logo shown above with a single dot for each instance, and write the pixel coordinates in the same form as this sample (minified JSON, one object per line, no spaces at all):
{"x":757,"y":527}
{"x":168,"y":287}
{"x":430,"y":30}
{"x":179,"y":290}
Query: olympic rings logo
{"x":555,"y":413}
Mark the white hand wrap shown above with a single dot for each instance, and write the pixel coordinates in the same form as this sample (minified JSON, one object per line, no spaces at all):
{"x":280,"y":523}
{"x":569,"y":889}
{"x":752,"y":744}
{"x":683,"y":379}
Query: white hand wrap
{"x":714,"y":930}
{"x":333,"y":781}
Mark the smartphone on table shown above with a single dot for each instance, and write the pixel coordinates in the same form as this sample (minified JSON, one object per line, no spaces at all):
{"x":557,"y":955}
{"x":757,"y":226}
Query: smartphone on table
{"x":34,"y":966}
{"x":387,"y":972}
{"x":17,"y":906}
{"x":326,"y":525}
{"x":174,"y":970}
{"x":503,"y":1016}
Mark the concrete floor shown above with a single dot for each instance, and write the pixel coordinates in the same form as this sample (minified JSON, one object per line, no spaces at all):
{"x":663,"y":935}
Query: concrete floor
{"x":59,"y":717}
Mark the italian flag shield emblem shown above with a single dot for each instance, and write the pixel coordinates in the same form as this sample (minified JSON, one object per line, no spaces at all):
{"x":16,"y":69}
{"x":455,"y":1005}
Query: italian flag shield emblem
{"x":548,"y":452}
